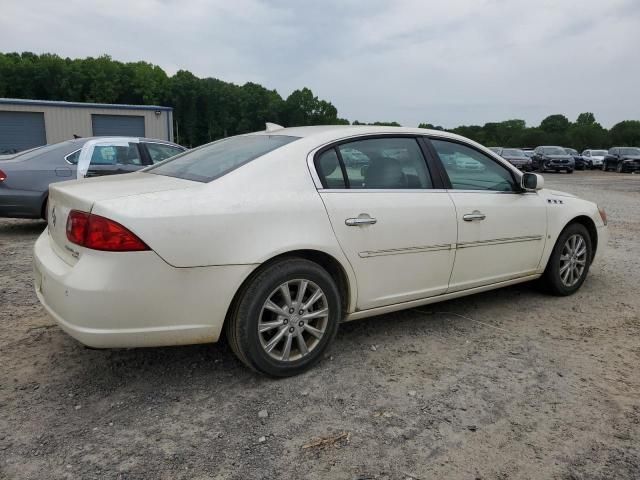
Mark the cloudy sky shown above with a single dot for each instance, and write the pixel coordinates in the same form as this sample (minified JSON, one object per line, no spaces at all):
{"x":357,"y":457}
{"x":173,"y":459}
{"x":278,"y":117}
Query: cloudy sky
{"x":448,"y":63}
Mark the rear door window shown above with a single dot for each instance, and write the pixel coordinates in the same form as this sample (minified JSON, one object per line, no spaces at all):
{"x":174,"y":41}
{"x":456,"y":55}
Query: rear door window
{"x":375,"y":163}
{"x":116,"y":155}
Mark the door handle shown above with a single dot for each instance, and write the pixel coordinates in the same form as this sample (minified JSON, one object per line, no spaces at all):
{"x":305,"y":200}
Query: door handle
{"x":474,"y":216}
{"x":362,"y":219}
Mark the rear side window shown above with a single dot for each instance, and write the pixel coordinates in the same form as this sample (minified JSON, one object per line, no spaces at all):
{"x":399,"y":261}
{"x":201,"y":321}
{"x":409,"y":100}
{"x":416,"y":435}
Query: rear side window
{"x":374,"y":164}
{"x":214,"y":160}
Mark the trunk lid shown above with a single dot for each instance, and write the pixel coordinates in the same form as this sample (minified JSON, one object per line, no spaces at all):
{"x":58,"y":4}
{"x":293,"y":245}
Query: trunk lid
{"x":82,"y":195}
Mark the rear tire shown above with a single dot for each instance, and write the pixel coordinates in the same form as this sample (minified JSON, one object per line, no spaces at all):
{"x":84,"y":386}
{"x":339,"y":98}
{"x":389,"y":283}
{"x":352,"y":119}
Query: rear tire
{"x":570,"y":260}
{"x":280,"y":334}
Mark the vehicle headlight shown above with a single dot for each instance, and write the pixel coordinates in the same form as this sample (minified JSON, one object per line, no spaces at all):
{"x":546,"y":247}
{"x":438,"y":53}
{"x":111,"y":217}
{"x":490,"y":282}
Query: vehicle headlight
{"x":603,"y":214}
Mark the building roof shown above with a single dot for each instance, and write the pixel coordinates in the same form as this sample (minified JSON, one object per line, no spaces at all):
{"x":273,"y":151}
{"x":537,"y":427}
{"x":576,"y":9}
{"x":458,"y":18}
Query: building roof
{"x":55,"y":103}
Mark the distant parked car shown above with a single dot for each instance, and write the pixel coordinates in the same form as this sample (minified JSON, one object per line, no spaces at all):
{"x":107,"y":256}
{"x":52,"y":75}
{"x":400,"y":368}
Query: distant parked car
{"x":622,"y":159}
{"x":552,"y":158}
{"x":25,"y":177}
{"x":497,"y":150}
{"x":580,"y":162}
{"x":517,"y":158}
{"x":595,"y":157}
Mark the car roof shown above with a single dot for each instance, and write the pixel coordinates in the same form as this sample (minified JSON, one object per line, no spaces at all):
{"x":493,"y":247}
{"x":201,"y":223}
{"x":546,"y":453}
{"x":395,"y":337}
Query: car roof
{"x":340,"y":131}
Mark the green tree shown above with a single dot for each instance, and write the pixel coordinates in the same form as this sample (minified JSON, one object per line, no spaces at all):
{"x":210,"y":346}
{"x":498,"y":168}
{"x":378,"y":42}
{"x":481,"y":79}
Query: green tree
{"x":626,"y":134}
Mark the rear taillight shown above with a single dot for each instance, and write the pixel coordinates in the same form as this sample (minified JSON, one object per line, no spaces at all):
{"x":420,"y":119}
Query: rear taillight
{"x":100,"y":233}
{"x":3,"y":176}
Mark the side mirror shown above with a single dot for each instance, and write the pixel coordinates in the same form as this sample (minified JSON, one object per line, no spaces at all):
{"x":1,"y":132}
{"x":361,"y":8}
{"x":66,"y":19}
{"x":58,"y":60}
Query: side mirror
{"x":532,"y":182}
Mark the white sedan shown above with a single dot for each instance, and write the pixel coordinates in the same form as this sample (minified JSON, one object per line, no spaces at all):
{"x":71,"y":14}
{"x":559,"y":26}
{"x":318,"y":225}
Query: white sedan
{"x":275,"y":239}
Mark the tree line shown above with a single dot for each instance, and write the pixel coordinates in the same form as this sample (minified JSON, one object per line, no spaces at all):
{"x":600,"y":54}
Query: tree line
{"x":206,"y":109}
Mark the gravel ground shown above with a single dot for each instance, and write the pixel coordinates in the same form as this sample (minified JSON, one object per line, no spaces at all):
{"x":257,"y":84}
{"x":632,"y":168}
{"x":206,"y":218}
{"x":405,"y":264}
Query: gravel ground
{"x":505,"y":384}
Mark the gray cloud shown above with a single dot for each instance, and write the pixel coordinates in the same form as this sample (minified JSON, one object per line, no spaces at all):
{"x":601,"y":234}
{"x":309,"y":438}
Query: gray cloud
{"x":459,"y":62}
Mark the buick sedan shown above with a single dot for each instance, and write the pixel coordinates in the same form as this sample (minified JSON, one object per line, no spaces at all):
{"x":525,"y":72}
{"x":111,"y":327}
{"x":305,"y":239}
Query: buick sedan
{"x":273,"y":239}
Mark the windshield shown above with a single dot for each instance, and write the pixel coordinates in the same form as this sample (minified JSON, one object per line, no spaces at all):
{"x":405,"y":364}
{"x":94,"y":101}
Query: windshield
{"x":216,"y":159}
{"x":630,"y":151}
{"x":553,"y":151}
{"x":513,"y":152}
{"x":598,"y":153}
{"x":571,"y":151}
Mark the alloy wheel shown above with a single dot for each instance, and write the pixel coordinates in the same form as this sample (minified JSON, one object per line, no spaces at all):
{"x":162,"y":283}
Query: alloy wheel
{"x":573,"y":260}
{"x":293,"y":320}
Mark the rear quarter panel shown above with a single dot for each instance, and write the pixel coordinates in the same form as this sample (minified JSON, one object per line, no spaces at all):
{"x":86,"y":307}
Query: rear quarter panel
{"x":265,"y":208}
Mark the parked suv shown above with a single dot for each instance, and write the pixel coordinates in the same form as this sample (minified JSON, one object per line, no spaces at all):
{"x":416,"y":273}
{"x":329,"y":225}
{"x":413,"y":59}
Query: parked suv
{"x":622,"y":159}
{"x":553,"y":159}
{"x":517,"y":158}
{"x":581,"y":163}
{"x":595,"y":157}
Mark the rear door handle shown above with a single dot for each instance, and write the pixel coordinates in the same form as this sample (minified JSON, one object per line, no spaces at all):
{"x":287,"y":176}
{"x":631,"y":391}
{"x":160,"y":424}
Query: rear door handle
{"x":362,"y":219}
{"x":474,"y":216}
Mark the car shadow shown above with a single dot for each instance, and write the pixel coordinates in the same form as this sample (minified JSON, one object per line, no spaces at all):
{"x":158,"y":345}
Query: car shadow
{"x":15,"y":227}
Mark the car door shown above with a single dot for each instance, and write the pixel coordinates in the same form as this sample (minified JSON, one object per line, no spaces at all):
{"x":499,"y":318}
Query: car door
{"x":501,"y":230}
{"x":114,"y":160}
{"x":394,"y":224}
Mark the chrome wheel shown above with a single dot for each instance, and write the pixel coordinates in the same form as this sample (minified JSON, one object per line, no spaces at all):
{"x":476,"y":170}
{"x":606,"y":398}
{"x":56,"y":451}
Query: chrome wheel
{"x":573,"y":260}
{"x":293,"y":320}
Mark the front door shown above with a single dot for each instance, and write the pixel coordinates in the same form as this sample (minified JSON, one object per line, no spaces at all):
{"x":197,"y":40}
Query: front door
{"x":397,"y":231}
{"x":501,"y":230}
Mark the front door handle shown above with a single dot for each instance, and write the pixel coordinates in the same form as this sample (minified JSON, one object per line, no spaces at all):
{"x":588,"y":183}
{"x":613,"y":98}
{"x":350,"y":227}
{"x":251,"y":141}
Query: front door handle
{"x":362,"y":219}
{"x":474,"y":216}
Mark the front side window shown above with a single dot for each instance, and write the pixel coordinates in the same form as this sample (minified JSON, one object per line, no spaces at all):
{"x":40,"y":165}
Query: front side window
{"x":469,"y":169}
{"x":375,"y":163}
{"x":216,"y":159}
{"x":161,"y":151}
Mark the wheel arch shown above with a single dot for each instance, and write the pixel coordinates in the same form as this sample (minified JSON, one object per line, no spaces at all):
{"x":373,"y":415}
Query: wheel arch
{"x":332,"y":265}
{"x":590,"y":225}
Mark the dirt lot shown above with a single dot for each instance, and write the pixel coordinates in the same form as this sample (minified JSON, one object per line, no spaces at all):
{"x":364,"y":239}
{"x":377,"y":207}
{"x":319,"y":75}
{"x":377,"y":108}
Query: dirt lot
{"x":506,"y":384}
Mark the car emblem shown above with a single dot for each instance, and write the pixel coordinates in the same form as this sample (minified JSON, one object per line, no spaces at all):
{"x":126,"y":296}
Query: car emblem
{"x":53,"y":216}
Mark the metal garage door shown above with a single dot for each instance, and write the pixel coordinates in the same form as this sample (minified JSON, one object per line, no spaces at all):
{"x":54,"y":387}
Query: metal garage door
{"x":21,"y":130}
{"x":126,"y":125}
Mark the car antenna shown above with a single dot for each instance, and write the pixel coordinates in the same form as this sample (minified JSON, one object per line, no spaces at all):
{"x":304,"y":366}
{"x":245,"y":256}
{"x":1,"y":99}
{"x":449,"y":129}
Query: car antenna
{"x":272,"y":127}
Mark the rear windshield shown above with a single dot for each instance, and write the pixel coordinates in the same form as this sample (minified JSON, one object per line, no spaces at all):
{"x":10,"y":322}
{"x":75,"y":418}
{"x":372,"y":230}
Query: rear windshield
{"x":216,"y":159}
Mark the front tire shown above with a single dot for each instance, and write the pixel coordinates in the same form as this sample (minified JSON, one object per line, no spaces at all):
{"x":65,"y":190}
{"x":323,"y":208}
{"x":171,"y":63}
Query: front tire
{"x":619,"y":168}
{"x":569,"y":262}
{"x":285,"y":318}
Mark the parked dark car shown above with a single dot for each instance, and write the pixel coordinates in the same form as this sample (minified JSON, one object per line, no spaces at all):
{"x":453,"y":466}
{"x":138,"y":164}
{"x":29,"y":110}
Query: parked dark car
{"x":580,"y":162}
{"x":552,"y":158}
{"x":517,"y":158}
{"x":622,"y":159}
{"x":25,"y":177}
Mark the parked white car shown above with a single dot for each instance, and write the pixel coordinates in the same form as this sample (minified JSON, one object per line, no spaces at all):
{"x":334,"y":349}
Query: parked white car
{"x":596,"y":157}
{"x":273,"y":238}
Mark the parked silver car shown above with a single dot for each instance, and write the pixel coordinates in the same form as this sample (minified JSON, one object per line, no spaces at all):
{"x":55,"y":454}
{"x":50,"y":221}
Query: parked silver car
{"x":25,"y":177}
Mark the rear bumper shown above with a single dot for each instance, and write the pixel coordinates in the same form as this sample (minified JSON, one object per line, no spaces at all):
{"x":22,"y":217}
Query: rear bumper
{"x":114,"y":300}
{"x":21,"y":203}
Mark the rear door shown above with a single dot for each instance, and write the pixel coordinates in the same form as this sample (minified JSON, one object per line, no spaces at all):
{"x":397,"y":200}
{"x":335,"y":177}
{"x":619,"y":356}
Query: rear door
{"x":395,"y":226}
{"x":115,"y":159}
{"x":501,"y":230}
